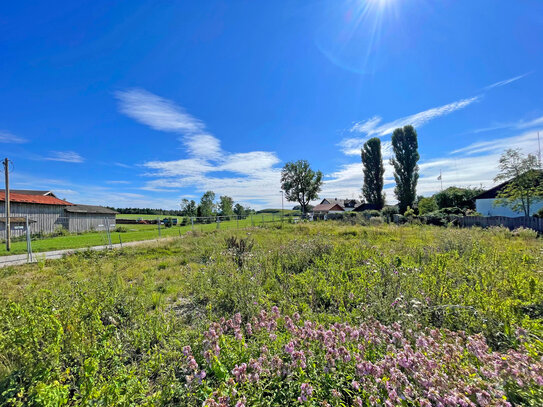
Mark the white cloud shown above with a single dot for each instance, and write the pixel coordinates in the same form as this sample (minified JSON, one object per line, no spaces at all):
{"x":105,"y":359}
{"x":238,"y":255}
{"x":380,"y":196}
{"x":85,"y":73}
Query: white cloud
{"x":204,"y":145}
{"x":179,"y":168}
{"x":526,"y":141}
{"x":519,"y":125}
{"x":208,"y":166}
{"x":156,"y":112}
{"x":472,"y":166}
{"x":373,"y":127}
{"x":10,"y":138}
{"x":164,"y":115}
{"x":507,"y":81}
{"x":117,"y":182}
{"x":64,"y":156}
{"x":249,"y":163}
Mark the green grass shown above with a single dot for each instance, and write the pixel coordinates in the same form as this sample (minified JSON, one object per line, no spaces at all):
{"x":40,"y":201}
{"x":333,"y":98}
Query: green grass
{"x":110,"y":328}
{"x":134,"y":233}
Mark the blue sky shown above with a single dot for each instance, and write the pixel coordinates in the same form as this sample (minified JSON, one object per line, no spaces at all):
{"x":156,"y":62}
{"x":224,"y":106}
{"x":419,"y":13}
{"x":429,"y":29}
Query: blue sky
{"x":143,"y":103}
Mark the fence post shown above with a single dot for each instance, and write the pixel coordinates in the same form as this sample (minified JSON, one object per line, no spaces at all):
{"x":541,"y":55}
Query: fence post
{"x":262,"y":219}
{"x":108,"y":232}
{"x":28,"y":243}
{"x":218,"y":222}
{"x":120,"y":240}
{"x":192,"y":223}
{"x":252,"y":223}
{"x":159,"y":232}
{"x":237,"y":222}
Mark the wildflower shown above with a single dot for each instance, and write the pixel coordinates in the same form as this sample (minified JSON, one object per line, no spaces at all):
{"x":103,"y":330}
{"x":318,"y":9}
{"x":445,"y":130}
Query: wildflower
{"x":306,"y":390}
{"x":356,"y":385}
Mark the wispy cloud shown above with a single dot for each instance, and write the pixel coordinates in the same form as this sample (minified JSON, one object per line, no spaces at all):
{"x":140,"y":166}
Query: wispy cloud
{"x":473,"y":165}
{"x":526,"y":141}
{"x":519,"y":125}
{"x":374,"y":127}
{"x":248,"y":176}
{"x":507,"y":81}
{"x":157,"y":112}
{"x":164,"y":115}
{"x":10,"y":138}
{"x":64,"y":156}
{"x":117,"y":182}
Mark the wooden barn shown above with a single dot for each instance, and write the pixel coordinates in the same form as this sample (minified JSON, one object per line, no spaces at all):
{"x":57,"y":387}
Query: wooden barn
{"x":44,"y":210}
{"x":46,"y":214}
{"x":82,"y":218}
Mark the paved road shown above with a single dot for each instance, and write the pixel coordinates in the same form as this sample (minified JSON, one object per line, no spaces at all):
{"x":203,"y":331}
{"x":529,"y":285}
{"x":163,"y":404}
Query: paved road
{"x":18,"y":259}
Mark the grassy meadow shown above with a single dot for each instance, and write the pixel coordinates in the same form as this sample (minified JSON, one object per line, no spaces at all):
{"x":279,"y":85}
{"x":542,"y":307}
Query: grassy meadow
{"x":322,"y":314}
{"x":132,"y":233}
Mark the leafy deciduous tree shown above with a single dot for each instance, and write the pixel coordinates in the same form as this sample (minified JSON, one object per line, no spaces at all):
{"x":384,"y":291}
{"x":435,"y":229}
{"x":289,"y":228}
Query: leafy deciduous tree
{"x":372,"y":161}
{"x":226,"y":206}
{"x":188,"y":208}
{"x":406,"y":170}
{"x":207,"y":205}
{"x":454,"y":197}
{"x":300,"y":183}
{"x":525,"y":178}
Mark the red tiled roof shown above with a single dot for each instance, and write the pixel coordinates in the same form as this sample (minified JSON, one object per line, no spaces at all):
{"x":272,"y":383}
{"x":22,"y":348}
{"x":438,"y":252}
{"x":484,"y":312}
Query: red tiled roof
{"x":35,"y":199}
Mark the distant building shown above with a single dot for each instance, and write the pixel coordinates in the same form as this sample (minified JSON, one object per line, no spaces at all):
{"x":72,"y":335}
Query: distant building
{"x":82,"y":218}
{"x":46,"y":213}
{"x":346,"y":204}
{"x":324,"y":209}
{"x":485,"y":204}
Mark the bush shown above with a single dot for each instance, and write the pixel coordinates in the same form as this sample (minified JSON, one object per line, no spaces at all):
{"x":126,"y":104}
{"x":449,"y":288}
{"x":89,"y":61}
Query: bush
{"x":375,"y":221}
{"x":426,"y":205}
{"x":60,"y":231}
{"x":372,"y":213}
{"x":524,"y":233}
{"x":121,"y":229}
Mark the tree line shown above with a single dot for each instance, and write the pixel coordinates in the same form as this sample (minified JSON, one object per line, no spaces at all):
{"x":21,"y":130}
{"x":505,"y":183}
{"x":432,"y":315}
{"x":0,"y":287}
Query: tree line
{"x":522,"y":174}
{"x":301,"y":184}
{"x":208,"y":207}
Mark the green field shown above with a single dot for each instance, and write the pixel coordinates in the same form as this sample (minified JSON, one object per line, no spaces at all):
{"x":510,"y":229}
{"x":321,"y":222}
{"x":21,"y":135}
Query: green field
{"x":132,"y":233}
{"x":270,"y":212}
{"x":313,"y":314}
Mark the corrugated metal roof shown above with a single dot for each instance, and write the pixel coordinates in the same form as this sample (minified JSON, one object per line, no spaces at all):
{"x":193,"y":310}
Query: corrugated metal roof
{"x":33,"y":199}
{"x":90,"y":209}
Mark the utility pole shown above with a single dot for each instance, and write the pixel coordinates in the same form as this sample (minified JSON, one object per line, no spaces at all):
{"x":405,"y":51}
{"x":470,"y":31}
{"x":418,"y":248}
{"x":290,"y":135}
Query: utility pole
{"x":8,"y":223}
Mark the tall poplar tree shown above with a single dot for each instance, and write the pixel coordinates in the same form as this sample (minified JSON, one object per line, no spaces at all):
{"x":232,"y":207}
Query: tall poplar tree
{"x":406,"y":170}
{"x":372,"y":161}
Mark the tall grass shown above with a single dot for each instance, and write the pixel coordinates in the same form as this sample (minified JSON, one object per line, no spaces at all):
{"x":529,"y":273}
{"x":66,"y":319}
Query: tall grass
{"x":112,"y":328}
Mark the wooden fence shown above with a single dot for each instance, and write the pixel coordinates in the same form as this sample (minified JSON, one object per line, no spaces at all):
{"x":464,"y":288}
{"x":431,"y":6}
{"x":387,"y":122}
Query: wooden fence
{"x":510,"y":223}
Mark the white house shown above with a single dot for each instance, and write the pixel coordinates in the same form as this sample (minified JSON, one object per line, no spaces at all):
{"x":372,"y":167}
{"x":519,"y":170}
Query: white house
{"x":485,"y":204}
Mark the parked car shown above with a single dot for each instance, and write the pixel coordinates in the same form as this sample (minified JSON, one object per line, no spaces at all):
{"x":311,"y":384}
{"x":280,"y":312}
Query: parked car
{"x":168,"y":222}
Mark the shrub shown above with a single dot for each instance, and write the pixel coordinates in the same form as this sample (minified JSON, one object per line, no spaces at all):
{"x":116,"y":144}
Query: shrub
{"x":375,"y":221}
{"x":121,"y":229}
{"x":239,"y":248}
{"x":371,"y":213}
{"x":426,"y":205}
{"x":524,"y":233}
